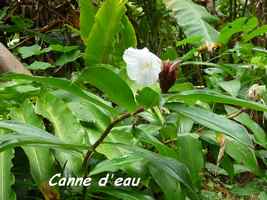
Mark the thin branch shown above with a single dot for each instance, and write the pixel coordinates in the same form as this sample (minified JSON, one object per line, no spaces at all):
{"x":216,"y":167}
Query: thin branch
{"x":245,"y":8}
{"x":234,"y":9}
{"x":92,"y":149}
{"x":235,"y":114}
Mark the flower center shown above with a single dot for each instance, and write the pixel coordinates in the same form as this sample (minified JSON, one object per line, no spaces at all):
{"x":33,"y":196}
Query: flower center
{"x":146,"y":65}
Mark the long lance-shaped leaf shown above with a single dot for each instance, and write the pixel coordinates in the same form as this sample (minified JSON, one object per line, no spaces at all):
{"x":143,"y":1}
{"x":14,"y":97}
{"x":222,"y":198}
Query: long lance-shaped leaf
{"x":171,"y":168}
{"x":213,"y":121}
{"x":115,"y":164}
{"x":128,"y":35}
{"x":256,"y":129}
{"x":215,"y":97}
{"x":105,"y":28}
{"x":40,"y":158}
{"x":6,"y":177}
{"x":123,"y":194}
{"x":66,"y":127}
{"x":87,"y":16}
{"x":193,"y":19}
{"x":111,"y":84}
{"x":24,"y":134}
{"x":63,"y":84}
{"x":190,"y":153}
{"x":12,"y":140}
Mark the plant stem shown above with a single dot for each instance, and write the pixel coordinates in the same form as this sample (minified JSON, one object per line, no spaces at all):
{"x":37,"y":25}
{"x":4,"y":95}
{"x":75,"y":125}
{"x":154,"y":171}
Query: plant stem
{"x":106,"y":132}
{"x":231,"y":9}
{"x":245,"y":8}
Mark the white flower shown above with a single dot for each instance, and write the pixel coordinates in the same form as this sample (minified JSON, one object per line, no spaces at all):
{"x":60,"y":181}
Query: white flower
{"x":255,"y":92}
{"x":143,"y":67}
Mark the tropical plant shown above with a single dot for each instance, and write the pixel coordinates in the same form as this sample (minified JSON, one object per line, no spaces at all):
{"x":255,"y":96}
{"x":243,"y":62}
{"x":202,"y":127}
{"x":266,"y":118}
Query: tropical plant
{"x":187,"y":123}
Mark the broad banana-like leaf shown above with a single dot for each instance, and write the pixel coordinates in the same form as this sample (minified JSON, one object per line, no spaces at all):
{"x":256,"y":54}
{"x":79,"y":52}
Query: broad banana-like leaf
{"x":193,"y":19}
{"x":6,"y":177}
{"x":66,"y":127}
{"x":105,"y":28}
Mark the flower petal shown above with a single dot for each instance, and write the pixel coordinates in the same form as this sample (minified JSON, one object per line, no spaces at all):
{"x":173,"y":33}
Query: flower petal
{"x":142,"y":65}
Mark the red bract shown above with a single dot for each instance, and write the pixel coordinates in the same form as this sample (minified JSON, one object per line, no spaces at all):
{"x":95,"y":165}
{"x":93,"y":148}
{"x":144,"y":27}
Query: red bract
{"x":168,"y":75}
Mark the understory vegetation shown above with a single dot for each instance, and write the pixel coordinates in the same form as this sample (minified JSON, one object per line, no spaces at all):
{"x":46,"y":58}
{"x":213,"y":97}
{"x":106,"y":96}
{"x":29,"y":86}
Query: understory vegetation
{"x":170,"y":93}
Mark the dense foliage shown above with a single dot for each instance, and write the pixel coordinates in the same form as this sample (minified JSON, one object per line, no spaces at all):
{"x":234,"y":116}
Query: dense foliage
{"x":197,"y":133}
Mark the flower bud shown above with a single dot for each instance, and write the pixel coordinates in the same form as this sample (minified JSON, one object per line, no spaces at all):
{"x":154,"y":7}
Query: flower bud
{"x":168,"y":75}
{"x":255,"y":92}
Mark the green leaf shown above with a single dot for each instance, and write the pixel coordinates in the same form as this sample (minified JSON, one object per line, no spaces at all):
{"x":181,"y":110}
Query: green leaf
{"x":6,"y":177}
{"x":115,"y":164}
{"x":30,"y":51}
{"x":170,"y":187}
{"x":105,"y":28}
{"x":228,"y":68}
{"x":123,"y":194}
{"x":19,"y":139}
{"x":263,"y":196}
{"x":215,"y":122}
{"x":37,"y":65}
{"x":169,"y":54}
{"x":87,"y":16}
{"x":40,"y":159}
{"x":85,"y":111}
{"x":3,"y":13}
{"x":63,"y":84}
{"x":189,"y":150}
{"x":170,"y":167}
{"x":241,"y":153}
{"x":119,"y":134}
{"x":244,"y":155}
{"x":60,"y":48}
{"x":128,"y":33}
{"x":262,"y":154}
{"x":110,"y":84}
{"x":215,"y":97}
{"x":189,"y":40}
{"x":88,"y":112}
{"x":179,"y":87}
{"x":68,"y":57}
{"x":244,"y":118}
{"x":66,"y":127}
{"x":232,"y":87}
{"x":145,"y":135}
{"x":148,"y":98}
{"x":259,"y":31}
{"x":243,"y":24}
{"x":252,"y":188}
{"x":19,"y":24}
{"x":26,"y":134}
{"x":185,"y":124}
{"x":193,"y":19}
